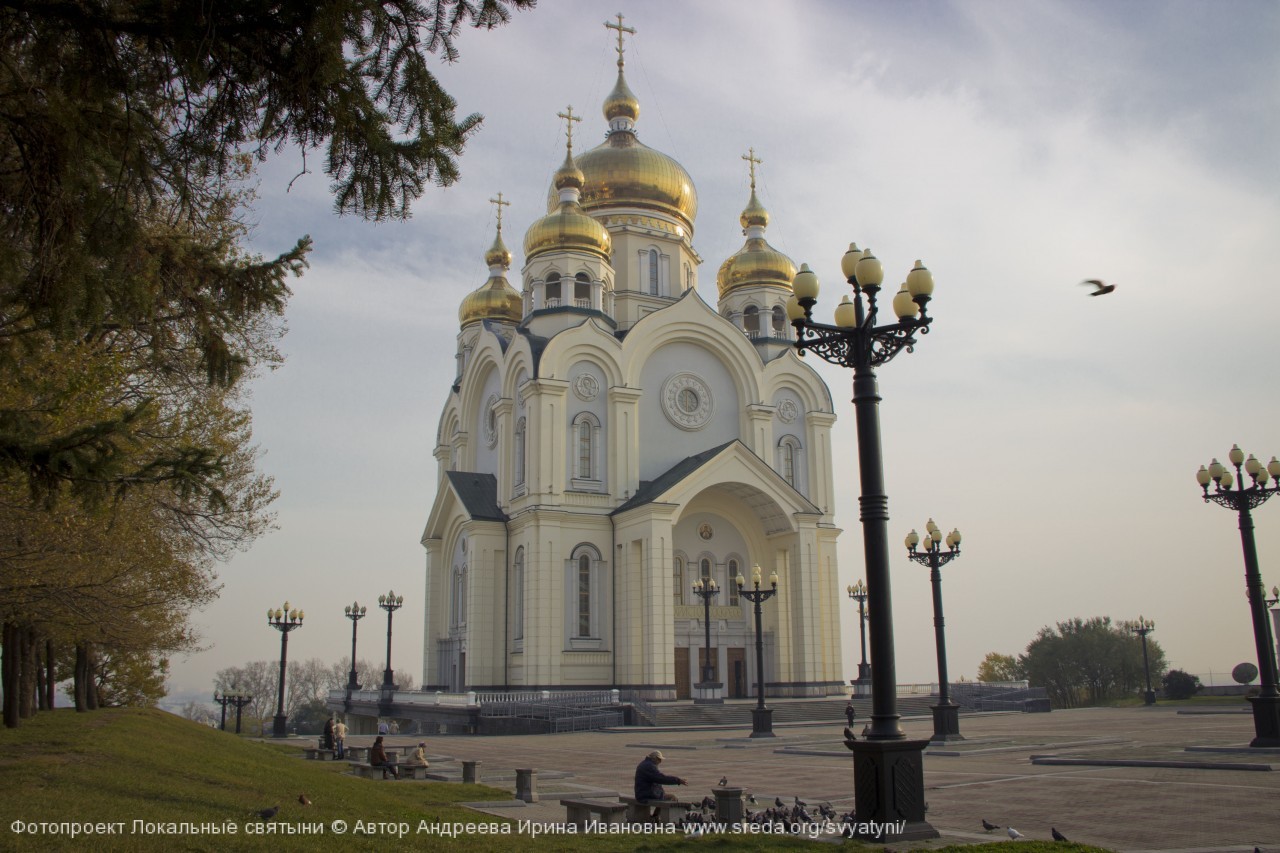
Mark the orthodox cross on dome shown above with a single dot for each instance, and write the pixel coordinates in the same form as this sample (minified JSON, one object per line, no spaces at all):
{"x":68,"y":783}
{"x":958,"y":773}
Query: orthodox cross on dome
{"x":569,"y":119}
{"x":751,"y":158}
{"x":499,"y":203}
{"x":621,"y":29}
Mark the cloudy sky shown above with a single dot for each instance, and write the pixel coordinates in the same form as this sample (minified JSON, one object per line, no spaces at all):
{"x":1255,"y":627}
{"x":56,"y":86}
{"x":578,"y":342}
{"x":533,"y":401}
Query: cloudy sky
{"x":1016,"y":148}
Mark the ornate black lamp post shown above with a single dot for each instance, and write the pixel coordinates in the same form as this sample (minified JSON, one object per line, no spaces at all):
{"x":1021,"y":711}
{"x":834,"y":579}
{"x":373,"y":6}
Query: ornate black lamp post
{"x":1143,"y":626}
{"x":761,"y":717}
{"x":355,"y":613}
{"x":858,"y":592}
{"x":222,"y":700}
{"x":888,"y":768}
{"x":946,"y":714}
{"x":390,"y":603}
{"x":283,"y":620}
{"x":239,"y":698}
{"x":1266,"y":705}
{"x":1271,"y":634}
{"x":707,"y":590}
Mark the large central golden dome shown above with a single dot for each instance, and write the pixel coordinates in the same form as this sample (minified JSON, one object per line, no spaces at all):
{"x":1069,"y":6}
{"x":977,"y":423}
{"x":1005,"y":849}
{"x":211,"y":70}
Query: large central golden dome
{"x":623,"y":172}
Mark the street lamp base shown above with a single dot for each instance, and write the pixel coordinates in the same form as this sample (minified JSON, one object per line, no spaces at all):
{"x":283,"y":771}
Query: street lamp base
{"x":864,"y":673}
{"x":946,"y":723}
{"x":280,"y":725}
{"x":762,"y":722}
{"x":1266,"y":721}
{"x":1148,"y":697}
{"x":888,"y":778}
{"x":708,"y":693}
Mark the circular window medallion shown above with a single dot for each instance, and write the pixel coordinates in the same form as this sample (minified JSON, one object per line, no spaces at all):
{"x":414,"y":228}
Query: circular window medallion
{"x":686,"y":401}
{"x":586,"y":387}
{"x":787,"y":411}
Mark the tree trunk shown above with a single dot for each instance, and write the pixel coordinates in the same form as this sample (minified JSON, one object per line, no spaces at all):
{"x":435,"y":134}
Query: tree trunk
{"x":40,"y":691}
{"x":27,"y":677}
{"x":10,"y":675}
{"x":91,"y":677}
{"x":81,"y":677}
{"x":50,"y":680}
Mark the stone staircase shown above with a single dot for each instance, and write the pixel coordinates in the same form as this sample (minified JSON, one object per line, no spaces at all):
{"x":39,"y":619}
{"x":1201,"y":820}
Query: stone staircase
{"x":737,"y":712}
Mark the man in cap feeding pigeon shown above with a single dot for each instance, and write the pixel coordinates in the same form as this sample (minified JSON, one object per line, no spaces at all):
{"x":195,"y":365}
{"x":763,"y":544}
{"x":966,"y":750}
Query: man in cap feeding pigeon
{"x":649,"y":780}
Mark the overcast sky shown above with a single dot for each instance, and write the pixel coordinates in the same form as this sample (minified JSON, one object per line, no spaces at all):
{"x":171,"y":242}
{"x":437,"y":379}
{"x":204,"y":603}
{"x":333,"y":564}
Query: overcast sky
{"x":1016,"y":148}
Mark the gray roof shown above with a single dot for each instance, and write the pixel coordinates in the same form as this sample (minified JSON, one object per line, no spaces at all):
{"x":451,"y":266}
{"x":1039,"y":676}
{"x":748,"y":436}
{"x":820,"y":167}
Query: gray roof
{"x":478,"y":493}
{"x":650,"y":489}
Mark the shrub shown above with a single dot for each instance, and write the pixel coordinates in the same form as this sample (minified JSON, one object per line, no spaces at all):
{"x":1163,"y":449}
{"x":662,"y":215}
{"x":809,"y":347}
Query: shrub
{"x":1180,"y":685}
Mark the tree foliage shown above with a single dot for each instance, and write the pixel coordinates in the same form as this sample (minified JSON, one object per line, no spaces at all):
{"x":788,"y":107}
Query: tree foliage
{"x":1088,"y":661}
{"x":1180,"y":685}
{"x":998,"y":667}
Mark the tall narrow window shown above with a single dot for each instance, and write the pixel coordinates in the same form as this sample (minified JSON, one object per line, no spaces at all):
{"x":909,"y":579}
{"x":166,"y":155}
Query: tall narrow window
{"x":705,"y":567}
{"x":518,"y":453}
{"x":584,"y":596}
{"x":584,"y":450}
{"x":789,"y":463}
{"x":751,"y":320}
{"x":677,"y":580}
{"x":653,"y":272}
{"x":779,"y":322}
{"x":733,"y":583}
{"x":517,"y":595}
{"x":553,"y":289}
{"x":582,"y":290}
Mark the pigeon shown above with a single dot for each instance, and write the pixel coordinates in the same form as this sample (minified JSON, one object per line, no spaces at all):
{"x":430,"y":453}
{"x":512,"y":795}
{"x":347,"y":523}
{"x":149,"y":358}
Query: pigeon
{"x":268,"y":814}
{"x":724,"y":780}
{"x":1014,"y":834}
{"x":800,"y":803}
{"x":304,"y":799}
{"x":1100,"y":287}
{"x":1057,"y":836}
{"x":708,"y":803}
{"x":751,"y":798}
{"x":989,"y":826}
{"x":777,"y":801}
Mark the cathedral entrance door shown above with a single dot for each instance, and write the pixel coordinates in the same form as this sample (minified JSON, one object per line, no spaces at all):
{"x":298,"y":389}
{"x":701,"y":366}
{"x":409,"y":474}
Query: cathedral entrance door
{"x":737,"y":673}
{"x":683,"y":688}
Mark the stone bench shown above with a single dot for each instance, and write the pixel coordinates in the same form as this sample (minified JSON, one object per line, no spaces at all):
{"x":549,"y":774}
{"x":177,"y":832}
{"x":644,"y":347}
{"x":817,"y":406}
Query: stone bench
{"x":640,"y":811}
{"x":579,"y":812}
{"x":406,"y":771}
{"x":318,"y":753}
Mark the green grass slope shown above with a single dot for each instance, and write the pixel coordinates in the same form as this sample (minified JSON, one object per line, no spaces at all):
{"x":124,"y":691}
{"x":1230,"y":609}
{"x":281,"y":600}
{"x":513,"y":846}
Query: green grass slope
{"x":118,"y":766}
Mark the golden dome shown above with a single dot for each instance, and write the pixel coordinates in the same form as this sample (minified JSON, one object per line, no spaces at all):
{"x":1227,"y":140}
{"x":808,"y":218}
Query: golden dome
{"x":493,"y":300}
{"x":754,"y":214}
{"x":622,"y":102}
{"x":623,"y":172}
{"x":754,"y":265}
{"x":498,"y":254}
{"x":568,"y":228}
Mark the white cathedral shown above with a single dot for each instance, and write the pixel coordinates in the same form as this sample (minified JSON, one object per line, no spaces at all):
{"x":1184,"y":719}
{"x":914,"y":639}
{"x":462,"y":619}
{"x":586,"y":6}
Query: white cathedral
{"x":611,"y":439}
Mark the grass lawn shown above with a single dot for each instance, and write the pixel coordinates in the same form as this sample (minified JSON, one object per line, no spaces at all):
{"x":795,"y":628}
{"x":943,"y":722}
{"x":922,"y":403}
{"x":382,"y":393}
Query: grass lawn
{"x":117,"y":766}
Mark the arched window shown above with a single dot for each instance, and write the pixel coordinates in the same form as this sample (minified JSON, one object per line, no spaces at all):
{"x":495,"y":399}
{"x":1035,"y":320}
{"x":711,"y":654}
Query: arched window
{"x":677,"y":580}
{"x":653,"y":272}
{"x":751,"y":320}
{"x":732,"y":583}
{"x":790,"y":464}
{"x":584,"y":449}
{"x":518,"y":453}
{"x":584,"y":452}
{"x":553,"y":289}
{"x":459,"y":598}
{"x":517,"y":595}
{"x":585,"y":596}
{"x":704,"y":567}
{"x":688,"y":277}
{"x":779,"y":321}
{"x":582,"y":290}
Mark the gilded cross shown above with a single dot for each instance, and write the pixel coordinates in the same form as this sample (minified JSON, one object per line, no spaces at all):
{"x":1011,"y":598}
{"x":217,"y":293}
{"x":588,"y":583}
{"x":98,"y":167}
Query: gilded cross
{"x":569,"y":119}
{"x":499,"y":203}
{"x":751,"y":158}
{"x":621,"y":29}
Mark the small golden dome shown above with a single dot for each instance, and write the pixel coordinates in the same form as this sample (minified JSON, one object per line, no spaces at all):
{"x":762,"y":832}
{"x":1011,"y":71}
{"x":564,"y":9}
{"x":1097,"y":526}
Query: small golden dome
{"x":568,"y":228}
{"x":622,"y":102}
{"x":756,"y":264}
{"x":754,"y":214}
{"x":498,"y":254}
{"x":493,"y":300}
{"x":568,"y":175}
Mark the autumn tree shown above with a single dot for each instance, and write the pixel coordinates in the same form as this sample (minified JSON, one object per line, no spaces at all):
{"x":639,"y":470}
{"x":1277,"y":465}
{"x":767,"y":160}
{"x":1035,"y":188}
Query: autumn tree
{"x":1088,"y":661}
{"x":998,"y":667}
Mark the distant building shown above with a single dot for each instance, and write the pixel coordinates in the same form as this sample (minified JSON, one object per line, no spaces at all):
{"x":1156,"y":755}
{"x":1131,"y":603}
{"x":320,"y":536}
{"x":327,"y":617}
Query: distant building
{"x":611,"y":438}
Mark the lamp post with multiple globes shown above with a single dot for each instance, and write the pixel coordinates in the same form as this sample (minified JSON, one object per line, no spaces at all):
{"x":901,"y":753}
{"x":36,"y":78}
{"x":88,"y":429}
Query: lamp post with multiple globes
{"x":888,"y":768}
{"x":761,"y":717}
{"x":706,"y":589}
{"x":946,"y":714}
{"x":1266,"y":705}
{"x":1143,"y":626}
{"x":390,"y":603}
{"x":858,"y":592}
{"x":283,"y":620}
{"x":355,"y":613}
{"x":239,"y":699}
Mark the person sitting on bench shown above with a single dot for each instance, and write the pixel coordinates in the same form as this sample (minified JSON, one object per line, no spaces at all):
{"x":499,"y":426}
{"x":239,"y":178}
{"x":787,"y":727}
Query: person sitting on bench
{"x":649,"y":781}
{"x":378,"y":758}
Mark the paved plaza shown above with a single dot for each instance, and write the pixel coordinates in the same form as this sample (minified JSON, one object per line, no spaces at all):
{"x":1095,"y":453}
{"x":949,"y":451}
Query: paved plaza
{"x":1202,"y":789}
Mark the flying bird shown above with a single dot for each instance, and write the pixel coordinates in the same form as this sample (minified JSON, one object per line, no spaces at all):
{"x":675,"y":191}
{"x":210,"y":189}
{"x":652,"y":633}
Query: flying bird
{"x":724,"y":780}
{"x":1100,"y":287}
{"x":1057,"y":836}
{"x":1014,"y":834}
{"x":989,"y":826}
{"x":268,"y":814}
{"x":304,"y":800}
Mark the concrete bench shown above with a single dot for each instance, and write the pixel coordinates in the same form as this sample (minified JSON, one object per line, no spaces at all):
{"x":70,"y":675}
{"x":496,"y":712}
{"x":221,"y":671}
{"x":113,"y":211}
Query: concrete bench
{"x":579,"y":812}
{"x":640,"y":811}
{"x":318,"y":753}
{"x":358,"y":753}
{"x":406,"y":771}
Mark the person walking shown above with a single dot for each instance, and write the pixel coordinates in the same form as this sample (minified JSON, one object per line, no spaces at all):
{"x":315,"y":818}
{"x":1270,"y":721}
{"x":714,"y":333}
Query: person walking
{"x":650,"y":779}
{"x":340,"y":739}
{"x":850,"y":713}
{"x":378,"y":758}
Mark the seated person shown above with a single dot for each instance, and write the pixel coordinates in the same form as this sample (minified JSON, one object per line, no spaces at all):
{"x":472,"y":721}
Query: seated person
{"x":649,"y":781}
{"x":419,"y":757}
{"x":378,"y":758}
